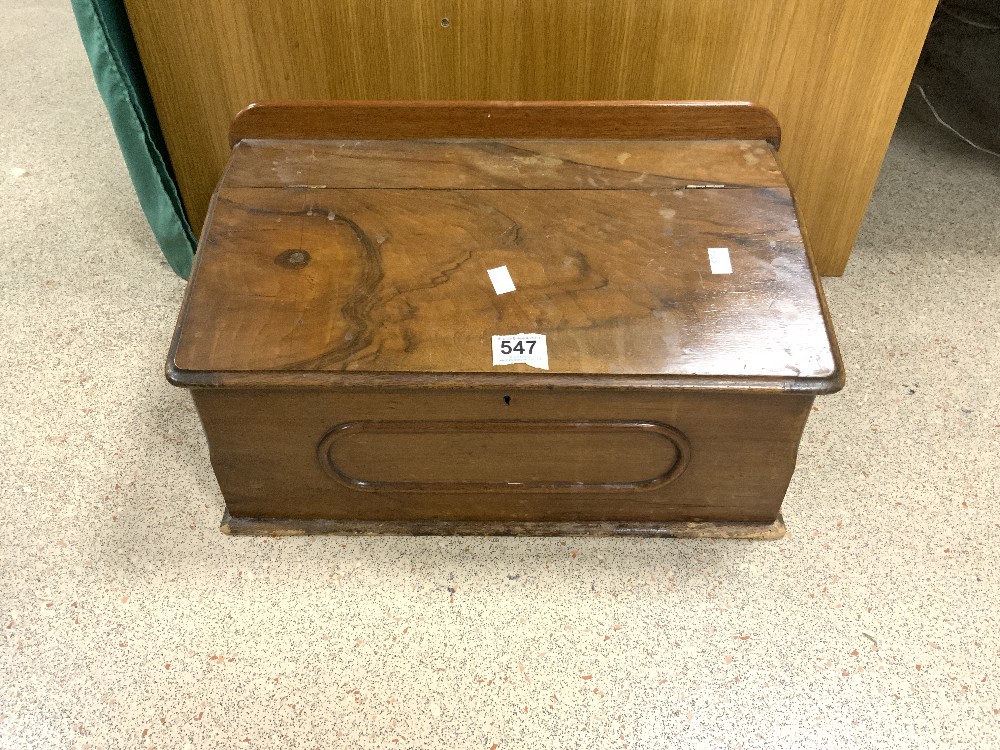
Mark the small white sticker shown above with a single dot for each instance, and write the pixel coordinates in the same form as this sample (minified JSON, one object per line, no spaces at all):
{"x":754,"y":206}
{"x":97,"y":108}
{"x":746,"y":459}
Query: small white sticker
{"x":525,"y":348}
{"x":502,"y":282}
{"x":718,"y":259}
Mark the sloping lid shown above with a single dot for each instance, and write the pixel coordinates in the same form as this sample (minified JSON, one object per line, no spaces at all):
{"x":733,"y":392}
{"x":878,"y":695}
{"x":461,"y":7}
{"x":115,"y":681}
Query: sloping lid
{"x":672,"y":263}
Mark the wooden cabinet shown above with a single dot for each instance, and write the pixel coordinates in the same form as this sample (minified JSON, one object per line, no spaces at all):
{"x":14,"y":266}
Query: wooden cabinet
{"x":338,"y":330}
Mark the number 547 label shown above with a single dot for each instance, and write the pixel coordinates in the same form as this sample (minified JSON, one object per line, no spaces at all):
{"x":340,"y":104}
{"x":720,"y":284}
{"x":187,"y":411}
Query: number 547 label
{"x":526,"y":348}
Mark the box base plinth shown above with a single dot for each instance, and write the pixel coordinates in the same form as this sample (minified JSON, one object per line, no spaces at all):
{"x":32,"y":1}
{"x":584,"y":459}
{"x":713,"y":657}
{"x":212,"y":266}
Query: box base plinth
{"x":239,"y":526}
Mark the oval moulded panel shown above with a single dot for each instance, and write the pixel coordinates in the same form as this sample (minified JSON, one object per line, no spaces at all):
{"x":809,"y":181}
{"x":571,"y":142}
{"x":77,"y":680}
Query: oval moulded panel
{"x":463,"y":456}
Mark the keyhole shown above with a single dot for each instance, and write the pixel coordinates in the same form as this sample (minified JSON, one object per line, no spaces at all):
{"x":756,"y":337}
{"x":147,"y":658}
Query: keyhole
{"x":506,"y":400}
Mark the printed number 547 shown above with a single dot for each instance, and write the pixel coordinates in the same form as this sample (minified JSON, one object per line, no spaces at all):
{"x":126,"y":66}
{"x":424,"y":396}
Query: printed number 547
{"x":517,"y":348}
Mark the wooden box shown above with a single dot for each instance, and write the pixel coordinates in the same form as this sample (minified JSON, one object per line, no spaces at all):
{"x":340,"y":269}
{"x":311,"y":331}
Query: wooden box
{"x":338,"y":329}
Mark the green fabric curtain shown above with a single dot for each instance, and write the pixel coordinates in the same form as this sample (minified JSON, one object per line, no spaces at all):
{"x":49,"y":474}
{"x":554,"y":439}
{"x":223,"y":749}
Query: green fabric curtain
{"x":114,"y":58}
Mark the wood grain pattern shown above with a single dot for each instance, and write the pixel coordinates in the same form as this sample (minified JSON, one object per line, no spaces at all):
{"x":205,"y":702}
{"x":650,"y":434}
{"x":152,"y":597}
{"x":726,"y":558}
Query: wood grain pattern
{"x":613,"y":269}
{"x":499,"y":164}
{"x":263,"y":447}
{"x":834,"y":72}
{"x":554,"y":456}
{"x":420,"y":120}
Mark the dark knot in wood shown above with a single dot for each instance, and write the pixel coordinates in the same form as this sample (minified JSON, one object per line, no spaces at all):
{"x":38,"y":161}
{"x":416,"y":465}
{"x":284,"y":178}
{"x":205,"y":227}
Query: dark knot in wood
{"x":293,"y":259}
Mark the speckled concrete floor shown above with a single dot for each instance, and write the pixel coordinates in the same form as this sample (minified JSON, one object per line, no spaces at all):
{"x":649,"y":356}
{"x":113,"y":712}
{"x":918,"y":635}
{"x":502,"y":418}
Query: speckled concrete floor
{"x":129,"y":621}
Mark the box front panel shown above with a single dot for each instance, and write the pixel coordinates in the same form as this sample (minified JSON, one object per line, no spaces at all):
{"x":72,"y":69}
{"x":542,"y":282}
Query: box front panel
{"x":491,"y":455}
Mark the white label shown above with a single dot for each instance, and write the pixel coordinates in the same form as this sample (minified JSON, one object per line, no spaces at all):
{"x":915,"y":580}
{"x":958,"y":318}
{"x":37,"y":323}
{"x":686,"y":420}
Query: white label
{"x":526,"y":348}
{"x":502,"y":282}
{"x":718,"y":259}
